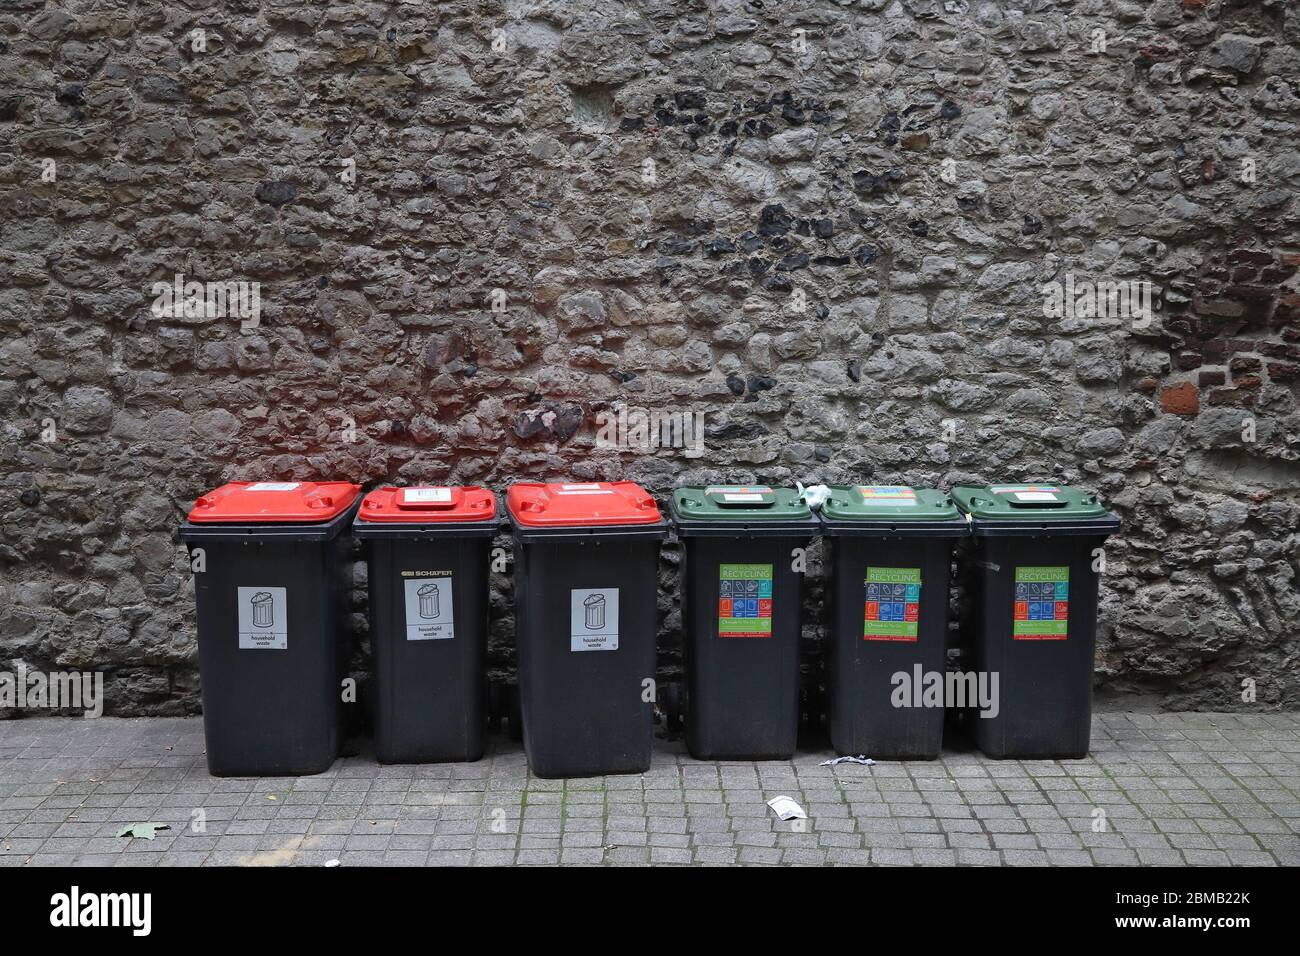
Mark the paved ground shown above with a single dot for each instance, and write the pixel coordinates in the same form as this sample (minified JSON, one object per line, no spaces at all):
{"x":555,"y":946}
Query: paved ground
{"x":1173,"y":788}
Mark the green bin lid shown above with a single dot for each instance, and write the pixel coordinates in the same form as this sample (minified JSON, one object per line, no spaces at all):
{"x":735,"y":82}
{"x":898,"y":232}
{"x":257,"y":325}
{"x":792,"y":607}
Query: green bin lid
{"x":888,"y":502}
{"x":739,"y":503}
{"x":1034,"y":502}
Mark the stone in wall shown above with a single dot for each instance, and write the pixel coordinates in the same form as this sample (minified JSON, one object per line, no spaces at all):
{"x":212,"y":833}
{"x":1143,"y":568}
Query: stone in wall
{"x":833,"y":229}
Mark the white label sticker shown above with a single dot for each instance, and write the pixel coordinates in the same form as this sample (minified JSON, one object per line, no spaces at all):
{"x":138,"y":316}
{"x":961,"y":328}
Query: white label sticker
{"x":603,"y":491}
{"x":727,"y":497}
{"x":263,"y":619}
{"x":589,"y":487}
{"x":1008,"y":489}
{"x":738,"y":489}
{"x":593,"y":624}
{"x":274,"y":486}
{"x":1035,"y":496}
{"x":420,"y":496}
{"x":429,"y":610}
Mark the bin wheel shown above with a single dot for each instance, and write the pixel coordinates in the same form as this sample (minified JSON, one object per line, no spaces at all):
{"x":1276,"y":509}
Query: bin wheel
{"x":496,"y":706}
{"x":673,"y":709}
{"x":514,"y":713}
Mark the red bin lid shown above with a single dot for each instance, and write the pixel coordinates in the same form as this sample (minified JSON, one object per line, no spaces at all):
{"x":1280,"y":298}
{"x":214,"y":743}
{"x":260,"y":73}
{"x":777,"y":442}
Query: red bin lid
{"x":429,"y":504}
{"x":577,"y":504}
{"x":275,"y":502}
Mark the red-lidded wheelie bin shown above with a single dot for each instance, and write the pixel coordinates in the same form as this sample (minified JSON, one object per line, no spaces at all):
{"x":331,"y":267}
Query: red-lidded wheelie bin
{"x":271,"y":586}
{"x":586,"y":583}
{"x":428,"y":579}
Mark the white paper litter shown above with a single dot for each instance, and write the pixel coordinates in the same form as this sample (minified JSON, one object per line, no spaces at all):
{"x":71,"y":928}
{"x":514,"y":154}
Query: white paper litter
{"x":860,"y":758}
{"x":787,"y":809}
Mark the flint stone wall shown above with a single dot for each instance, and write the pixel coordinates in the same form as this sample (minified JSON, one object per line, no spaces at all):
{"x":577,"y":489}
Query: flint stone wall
{"x":826,"y":225}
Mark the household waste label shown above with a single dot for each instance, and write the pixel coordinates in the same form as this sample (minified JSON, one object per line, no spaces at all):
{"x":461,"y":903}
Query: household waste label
{"x":745,"y":600}
{"x":1042,"y":604}
{"x":430,"y":611}
{"x":593,"y":619}
{"x":263,"y":619}
{"x":893,"y":611}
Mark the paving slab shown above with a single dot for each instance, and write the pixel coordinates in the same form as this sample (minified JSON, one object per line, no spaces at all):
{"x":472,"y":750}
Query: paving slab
{"x":1183,"y":789}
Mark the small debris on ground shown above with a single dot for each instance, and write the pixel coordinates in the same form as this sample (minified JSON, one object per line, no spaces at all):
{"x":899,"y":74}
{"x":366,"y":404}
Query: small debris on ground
{"x":859,"y":758}
{"x":786,"y":808}
{"x":142,"y":831}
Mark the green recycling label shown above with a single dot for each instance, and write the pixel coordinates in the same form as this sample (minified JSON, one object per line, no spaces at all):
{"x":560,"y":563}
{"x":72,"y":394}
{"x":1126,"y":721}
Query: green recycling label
{"x":1042,"y":604}
{"x":893,"y":611}
{"x":744,"y":600}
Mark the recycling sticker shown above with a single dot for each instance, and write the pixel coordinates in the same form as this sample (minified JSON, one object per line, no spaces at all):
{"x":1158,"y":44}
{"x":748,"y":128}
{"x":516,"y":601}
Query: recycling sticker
{"x":1041,"y":604}
{"x":744,"y":600}
{"x":893,"y":607}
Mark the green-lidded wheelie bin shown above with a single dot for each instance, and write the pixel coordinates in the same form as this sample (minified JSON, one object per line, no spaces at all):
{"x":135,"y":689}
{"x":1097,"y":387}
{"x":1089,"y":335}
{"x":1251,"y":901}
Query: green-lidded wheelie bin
{"x":1033,"y":566}
{"x":428,"y":550}
{"x":271,"y":587}
{"x":890,"y":555}
{"x":586,"y":586}
{"x":742,"y":591}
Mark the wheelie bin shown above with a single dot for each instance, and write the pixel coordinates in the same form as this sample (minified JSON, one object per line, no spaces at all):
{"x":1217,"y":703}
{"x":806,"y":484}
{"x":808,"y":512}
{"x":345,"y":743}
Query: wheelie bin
{"x":270,"y":584}
{"x":429,"y":554}
{"x":1033,"y":564}
{"x":890,"y":554}
{"x":586,"y":576}
{"x":742,"y":590}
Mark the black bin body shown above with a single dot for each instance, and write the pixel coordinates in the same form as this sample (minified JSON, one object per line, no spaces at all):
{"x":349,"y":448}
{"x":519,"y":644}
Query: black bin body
{"x":430,"y":682}
{"x":272,"y":711}
{"x":585,"y":712}
{"x":865,"y":714}
{"x":1045,"y":685}
{"x":742,"y":691}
